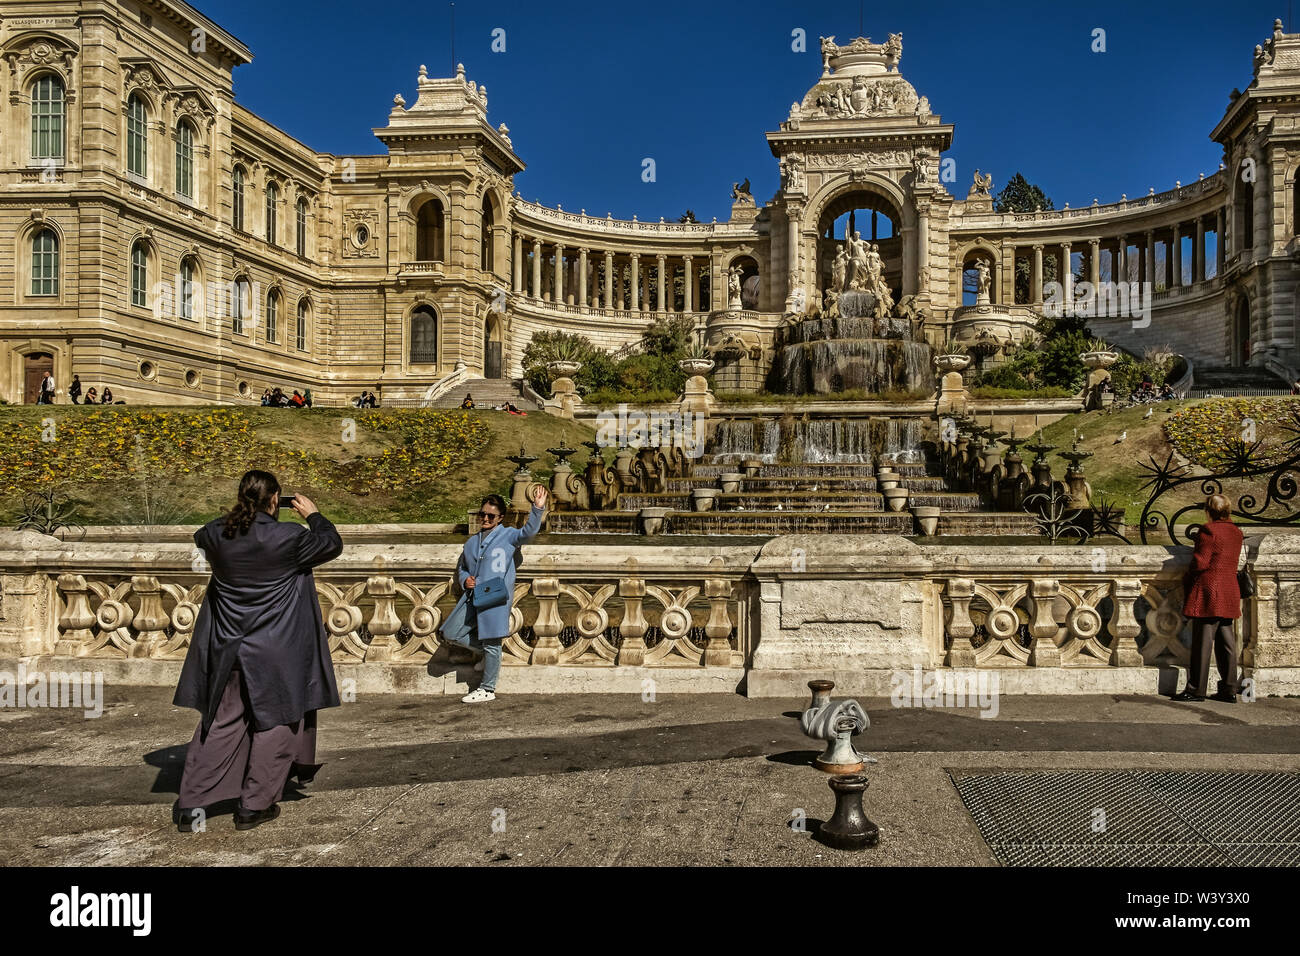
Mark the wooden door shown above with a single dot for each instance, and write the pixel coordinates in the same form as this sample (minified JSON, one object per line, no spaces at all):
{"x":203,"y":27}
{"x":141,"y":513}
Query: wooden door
{"x":34,"y":368}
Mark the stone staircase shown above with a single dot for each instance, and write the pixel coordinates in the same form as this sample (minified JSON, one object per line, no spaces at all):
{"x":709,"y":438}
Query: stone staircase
{"x":1227,"y":380}
{"x":487,"y":393}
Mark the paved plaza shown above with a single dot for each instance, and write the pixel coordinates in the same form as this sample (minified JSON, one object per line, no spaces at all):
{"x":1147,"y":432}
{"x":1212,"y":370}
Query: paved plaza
{"x":612,"y":780}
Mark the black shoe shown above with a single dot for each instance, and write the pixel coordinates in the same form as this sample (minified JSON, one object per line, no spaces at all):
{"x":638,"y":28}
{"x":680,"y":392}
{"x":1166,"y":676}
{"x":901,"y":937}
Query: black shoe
{"x":247,"y":819}
{"x":1186,"y":696}
{"x":184,"y":819}
{"x":1224,"y":696}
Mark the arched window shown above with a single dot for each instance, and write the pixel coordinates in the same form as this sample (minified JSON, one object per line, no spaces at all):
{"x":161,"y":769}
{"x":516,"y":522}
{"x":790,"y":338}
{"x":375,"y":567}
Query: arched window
{"x":1247,"y":215}
{"x":424,"y":336}
{"x":47,"y":118}
{"x":487,"y":257}
{"x":187,"y":288}
{"x":45,"y":263}
{"x":137,"y":137}
{"x":239,"y":307}
{"x":302,"y":228}
{"x":272,"y":315}
{"x":428,"y":232}
{"x":140,"y":274}
{"x":185,"y":160}
{"x":237,"y":209}
{"x":300,"y":330}
{"x":272,"y":198}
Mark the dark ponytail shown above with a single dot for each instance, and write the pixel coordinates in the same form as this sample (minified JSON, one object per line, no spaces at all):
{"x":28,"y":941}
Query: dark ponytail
{"x":256,"y":489}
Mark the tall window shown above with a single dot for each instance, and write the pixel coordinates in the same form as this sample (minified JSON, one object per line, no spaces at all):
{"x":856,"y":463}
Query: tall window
{"x":187,"y":288}
{"x":272,"y":197}
{"x":300,"y":332}
{"x":428,"y":232}
{"x":272,"y":315}
{"x":424,"y":335}
{"x":45,"y":263}
{"x":139,"y":275}
{"x":239,"y":306}
{"x":47,"y":118}
{"x":137,"y":138}
{"x":185,"y":159}
{"x":487,"y":259}
{"x":302,"y":228}
{"x":237,"y":213}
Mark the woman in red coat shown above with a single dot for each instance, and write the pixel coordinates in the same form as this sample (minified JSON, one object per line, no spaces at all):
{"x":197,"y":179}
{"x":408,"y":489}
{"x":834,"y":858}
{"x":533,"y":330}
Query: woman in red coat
{"x":1213,"y":602}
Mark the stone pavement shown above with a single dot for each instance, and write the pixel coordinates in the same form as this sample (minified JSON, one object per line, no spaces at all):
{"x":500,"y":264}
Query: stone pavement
{"x":584,"y":779}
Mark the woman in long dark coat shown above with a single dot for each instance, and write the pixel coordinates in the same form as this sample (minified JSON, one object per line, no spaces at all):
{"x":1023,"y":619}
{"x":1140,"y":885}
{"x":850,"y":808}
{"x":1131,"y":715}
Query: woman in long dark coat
{"x":258,"y":666}
{"x":1213,"y":601}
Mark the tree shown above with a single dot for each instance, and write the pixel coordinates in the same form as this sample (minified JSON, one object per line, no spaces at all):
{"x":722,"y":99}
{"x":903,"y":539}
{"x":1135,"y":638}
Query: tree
{"x":1020,"y":195}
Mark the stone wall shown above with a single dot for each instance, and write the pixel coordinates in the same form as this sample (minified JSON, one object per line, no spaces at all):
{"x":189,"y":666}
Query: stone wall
{"x":762,"y":620}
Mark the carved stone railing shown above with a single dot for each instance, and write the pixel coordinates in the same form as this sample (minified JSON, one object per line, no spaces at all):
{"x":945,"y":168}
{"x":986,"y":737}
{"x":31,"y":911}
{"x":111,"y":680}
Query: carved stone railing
{"x":1101,"y":617}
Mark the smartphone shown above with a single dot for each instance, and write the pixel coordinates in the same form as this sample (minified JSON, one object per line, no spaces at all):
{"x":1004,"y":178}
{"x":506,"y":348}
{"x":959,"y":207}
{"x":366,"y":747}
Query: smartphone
{"x":286,"y":500}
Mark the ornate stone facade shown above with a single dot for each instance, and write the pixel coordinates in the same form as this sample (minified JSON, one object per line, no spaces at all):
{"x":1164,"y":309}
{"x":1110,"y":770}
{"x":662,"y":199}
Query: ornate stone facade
{"x":172,"y":245}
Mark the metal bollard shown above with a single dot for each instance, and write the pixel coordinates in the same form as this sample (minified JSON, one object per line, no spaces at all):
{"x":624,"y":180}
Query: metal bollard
{"x":821,"y":693}
{"x":840,"y":757}
{"x":848,"y":828}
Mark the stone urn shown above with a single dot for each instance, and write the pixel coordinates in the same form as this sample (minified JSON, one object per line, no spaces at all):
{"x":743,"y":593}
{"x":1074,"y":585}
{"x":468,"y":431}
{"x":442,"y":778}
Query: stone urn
{"x":886,"y":478}
{"x":951,"y":363}
{"x":704,"y":498}
{"x":927,"y":518}
{"x":751,"y":467}
{"x":696,"y":366}
{"x":730,"y":482}
{"x":563,"y":369}
{"x":653,"y":520}
{"x":896,"y":498}
{"x":1095,"y":360}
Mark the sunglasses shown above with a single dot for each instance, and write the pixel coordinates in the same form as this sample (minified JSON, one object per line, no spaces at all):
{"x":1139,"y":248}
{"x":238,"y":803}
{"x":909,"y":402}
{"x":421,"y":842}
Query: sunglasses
{"x":486,"y":514}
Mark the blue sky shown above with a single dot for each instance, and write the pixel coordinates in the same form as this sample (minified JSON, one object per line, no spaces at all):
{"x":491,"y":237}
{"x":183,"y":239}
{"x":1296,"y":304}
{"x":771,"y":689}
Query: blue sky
{"x":589,"y":90}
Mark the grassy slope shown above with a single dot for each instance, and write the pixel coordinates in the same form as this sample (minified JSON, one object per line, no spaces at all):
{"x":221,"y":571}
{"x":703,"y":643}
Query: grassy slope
{"x":169,"y":495}
{"x":1115,"y":470}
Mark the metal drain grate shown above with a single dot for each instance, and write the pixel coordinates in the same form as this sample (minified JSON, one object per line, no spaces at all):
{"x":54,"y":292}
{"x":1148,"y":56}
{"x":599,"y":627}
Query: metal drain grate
{"x":1135,"y":817}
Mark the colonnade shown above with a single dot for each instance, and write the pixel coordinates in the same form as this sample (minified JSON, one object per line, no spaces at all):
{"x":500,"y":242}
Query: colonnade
{"x":550,"y":271}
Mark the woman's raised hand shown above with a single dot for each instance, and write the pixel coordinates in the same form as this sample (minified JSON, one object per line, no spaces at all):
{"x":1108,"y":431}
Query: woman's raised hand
{"x":539,"y":496}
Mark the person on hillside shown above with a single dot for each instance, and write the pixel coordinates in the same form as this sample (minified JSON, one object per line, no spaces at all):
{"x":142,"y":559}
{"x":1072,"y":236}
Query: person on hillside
{"x":306,"y":398}
{"x":108,"y":396}
{"x":92,"y":396}
{"x":74,"y":390}
{"x":487,"y":566}
{"x":1213,"y":602}
{"x":296,"y":400}
{"x":258,"y":667}
{"x":468,"y":401}
{"x":1167,"y":392}
{"x":46,"y":394}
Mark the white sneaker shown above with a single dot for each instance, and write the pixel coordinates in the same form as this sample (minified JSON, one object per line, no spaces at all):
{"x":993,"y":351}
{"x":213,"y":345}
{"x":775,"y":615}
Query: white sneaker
{"x":478,"y":696}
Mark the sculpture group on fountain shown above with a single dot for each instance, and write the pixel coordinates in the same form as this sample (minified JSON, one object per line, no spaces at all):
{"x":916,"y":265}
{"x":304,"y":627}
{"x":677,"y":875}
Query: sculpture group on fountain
{"x":858,"y":272}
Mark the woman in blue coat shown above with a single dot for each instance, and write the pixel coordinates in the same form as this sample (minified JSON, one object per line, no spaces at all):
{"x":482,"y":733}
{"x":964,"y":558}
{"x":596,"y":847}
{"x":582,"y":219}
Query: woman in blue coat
{"x":492,"y":555}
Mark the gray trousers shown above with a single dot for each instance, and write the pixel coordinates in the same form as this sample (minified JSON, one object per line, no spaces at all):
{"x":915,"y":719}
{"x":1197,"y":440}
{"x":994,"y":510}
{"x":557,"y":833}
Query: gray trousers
{"x":237,"y":760}
{"x":1216,"y":632}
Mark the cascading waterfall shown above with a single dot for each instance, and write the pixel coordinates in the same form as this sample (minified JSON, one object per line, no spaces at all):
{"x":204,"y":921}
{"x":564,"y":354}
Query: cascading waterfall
{"x":818,"y":440}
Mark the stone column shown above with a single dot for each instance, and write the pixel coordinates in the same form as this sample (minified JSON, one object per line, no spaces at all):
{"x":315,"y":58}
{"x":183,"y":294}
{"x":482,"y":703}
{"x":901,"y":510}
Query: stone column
{"x":695,"y":290}
{"x":582,"y":276}
{"x":1094,"y":264}
{"x":792,"y":257}
{"x":519,"y":263}
{"x":1149,"y":258}
{"x":660,"y":264}
{"x":537,"y":268}
{"x":559,"y":274}
{"x":1007,"y":283}
{"x":688,"y":299}
{"x":1198,"y":251}
{"x":609,"y":280}
{"x":1036,"y":279}
{"x":1121,"y":261}
{"x":1066,"y":277}
{"x":1219,"y":245}
{"x":645,"y":290}
{"x":923,"y":250}
{"x":1178,"y":254}
{"x":635,"y":284}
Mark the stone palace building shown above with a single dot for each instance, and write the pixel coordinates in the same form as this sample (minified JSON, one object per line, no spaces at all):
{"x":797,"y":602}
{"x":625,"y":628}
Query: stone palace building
{"x":174,"y":246}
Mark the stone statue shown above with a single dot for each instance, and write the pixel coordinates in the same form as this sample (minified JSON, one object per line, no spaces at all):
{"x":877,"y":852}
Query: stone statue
{"x":831,"y":306}
{"x":794,"y":175}
{"x":893,"y":51}
{"x":983,"y":184}
{"x":874,"y":264}
{"x":923,"y":108}
{"x":839,"y":270}
{"x":921,"y":166}
{"x":829,"y":49}
{"x":733,"y":287}
{"x":798,"y":301}
{"x":984,"y":276}
{"x":740,"y":191}
{"x":857,"y":262}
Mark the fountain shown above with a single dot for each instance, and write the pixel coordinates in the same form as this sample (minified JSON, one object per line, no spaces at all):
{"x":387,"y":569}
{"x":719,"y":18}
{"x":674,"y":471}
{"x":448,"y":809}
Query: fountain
{"x":522,"y":479}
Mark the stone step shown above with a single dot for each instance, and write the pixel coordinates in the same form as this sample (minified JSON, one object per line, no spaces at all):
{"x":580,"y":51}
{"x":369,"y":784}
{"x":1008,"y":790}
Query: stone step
{"x":487,"y":393}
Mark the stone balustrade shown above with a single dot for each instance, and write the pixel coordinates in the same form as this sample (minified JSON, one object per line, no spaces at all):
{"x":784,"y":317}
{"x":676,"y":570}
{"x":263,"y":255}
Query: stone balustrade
{"x":858,"y":609}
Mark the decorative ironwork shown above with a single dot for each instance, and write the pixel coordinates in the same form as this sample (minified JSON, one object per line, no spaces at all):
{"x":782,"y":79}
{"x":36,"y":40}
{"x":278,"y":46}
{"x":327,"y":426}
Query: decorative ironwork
{"x":1055,"y":514}
{"x":43,"y":512}
{"x":1237,"y":460}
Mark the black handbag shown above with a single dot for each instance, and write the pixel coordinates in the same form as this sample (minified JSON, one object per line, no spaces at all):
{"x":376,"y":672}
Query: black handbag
{"x":1245,"y":583}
